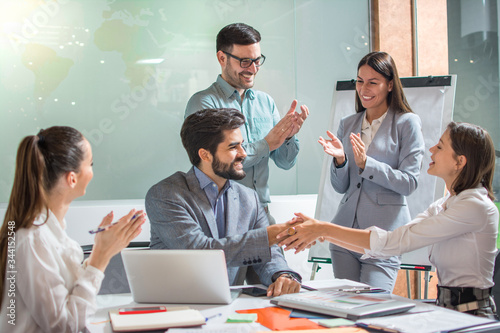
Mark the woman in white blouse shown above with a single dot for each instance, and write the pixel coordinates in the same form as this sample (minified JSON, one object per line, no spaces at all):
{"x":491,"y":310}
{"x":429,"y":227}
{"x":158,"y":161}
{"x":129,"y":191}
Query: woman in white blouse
{"x":461,"y":228}
{"x":45,"y":287}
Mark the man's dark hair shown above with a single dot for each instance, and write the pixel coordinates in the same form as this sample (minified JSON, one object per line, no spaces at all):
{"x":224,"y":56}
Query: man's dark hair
{"x":236,"y":33}
{"x":204,"y":129}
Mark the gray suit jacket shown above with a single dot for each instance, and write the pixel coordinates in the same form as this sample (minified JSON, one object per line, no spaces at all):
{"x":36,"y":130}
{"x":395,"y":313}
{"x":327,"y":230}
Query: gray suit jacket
{"x":181,"y":218}
{"x":376,"y":195}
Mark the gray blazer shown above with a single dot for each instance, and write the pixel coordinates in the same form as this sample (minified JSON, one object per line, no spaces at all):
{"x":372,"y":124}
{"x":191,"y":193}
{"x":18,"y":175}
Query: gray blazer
{"x":181,"y":218}
{"x":376,"y":195}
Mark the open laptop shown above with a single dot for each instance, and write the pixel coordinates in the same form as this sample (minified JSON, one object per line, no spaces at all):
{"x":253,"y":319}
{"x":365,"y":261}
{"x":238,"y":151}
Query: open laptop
{"x":178,"y":276}
{"x":342,"y":304}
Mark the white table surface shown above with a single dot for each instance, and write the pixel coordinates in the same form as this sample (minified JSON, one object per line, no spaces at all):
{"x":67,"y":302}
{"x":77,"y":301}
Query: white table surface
{"x":99,"y":323}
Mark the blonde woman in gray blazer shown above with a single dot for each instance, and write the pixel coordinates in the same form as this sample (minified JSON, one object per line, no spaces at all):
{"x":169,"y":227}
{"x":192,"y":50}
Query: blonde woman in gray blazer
{"x":377,"y":159}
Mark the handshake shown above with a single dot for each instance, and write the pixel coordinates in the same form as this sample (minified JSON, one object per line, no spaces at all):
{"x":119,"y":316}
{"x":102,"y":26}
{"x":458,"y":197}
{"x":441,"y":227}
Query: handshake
{"x":299,"y":233}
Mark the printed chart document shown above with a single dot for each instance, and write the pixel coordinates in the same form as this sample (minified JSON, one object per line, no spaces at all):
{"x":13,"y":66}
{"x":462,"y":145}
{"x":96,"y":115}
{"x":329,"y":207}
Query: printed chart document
{"x":343,"y":304}
{"x":247,"y":328}
{"x":336,"y":284}
{"x":155,"y":321}
{"x":220,"y":328}
{"x":439,"y":320}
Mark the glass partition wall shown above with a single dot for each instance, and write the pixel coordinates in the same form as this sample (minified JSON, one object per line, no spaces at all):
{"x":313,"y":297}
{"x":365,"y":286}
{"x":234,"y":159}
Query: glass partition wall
{"x":473,"y":56}
{"x":122,"y":72}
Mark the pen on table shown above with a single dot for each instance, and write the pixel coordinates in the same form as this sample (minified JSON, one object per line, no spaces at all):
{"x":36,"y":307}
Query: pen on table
{"x":364,"y":290}
{"x":371,"y":290}
{"x":307,"y":287}
{"x":95,"y":231}
{"x":213,"y":316}
{"x":377,"y":328}
{"x":355,"y":289}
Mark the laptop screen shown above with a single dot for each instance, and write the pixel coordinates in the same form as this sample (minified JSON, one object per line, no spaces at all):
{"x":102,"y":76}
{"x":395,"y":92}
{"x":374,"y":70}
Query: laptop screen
{"x":177,"y":276}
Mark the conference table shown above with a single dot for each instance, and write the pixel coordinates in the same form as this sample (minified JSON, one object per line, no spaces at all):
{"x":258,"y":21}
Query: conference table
{"x":217,"y":313}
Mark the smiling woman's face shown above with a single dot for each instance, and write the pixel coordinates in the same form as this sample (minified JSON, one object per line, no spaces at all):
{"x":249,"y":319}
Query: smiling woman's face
{"x":372,"y":89}
{"x":444,"y":162}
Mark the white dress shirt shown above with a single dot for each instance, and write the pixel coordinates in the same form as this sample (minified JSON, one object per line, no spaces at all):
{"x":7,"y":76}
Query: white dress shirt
{"x":461,"y":231}
{"x":53,"y":291}
{"x":368,"y":130}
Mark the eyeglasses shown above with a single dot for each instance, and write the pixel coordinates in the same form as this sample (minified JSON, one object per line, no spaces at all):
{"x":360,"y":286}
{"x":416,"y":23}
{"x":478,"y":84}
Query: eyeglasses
{"x":247,"y":62}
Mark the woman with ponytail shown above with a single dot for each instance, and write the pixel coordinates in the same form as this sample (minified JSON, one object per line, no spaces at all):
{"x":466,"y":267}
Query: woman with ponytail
{"x":44,"y":285}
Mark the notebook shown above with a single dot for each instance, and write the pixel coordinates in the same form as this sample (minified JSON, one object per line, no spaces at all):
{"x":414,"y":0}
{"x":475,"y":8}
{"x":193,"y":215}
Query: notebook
{"x":343,"y":304}
{"x":178,"y":276}
{"x":155,"y":321}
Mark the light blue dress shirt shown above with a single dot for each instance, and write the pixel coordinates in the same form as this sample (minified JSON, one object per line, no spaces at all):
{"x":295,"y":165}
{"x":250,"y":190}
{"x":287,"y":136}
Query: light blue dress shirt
{"x":217,"y":200}
{"x":261,"y":115}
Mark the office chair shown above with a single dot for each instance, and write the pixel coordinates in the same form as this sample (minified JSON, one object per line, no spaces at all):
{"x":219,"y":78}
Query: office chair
{"x":115,"y":279}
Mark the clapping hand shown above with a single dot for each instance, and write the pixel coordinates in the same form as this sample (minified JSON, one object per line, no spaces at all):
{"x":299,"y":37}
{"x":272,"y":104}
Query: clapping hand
{"x":116,"y":237}
{"x":333,"y":147}
{"x":358,"y":148}
{"x":287,"y":127}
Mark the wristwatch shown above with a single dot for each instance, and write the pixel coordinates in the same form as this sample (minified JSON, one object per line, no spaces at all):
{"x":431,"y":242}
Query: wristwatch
{"x":295,"y":277}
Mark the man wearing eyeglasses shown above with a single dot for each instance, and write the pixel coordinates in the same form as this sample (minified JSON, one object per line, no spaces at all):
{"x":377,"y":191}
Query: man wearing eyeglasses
{"x":265,"y":135}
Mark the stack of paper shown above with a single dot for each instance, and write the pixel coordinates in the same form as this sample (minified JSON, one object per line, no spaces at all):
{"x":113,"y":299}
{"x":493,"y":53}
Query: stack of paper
{"x":155,"y":321}
{"x":437,"y":320}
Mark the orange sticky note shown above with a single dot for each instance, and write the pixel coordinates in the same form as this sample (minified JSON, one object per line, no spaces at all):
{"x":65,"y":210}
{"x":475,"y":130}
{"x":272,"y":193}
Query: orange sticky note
{"x":278,"y":319}
{"x":330,"y":330}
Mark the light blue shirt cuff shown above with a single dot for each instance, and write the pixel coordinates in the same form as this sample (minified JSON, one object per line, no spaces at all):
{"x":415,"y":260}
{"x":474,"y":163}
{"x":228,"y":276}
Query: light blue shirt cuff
{"x":258,"y":149}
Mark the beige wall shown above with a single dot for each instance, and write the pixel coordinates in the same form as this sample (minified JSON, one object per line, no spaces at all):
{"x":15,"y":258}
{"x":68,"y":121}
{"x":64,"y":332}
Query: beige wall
{"x":432,"y":37}
{"x":393,"y":33}
{"x":414,"y":33}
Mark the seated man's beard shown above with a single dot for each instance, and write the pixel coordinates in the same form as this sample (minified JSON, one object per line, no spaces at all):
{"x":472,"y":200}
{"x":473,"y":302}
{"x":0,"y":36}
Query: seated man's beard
{"x":227,"y":171}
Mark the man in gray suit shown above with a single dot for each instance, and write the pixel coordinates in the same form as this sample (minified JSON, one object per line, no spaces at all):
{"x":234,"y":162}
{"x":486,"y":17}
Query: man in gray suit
{"x":205,"y":209}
